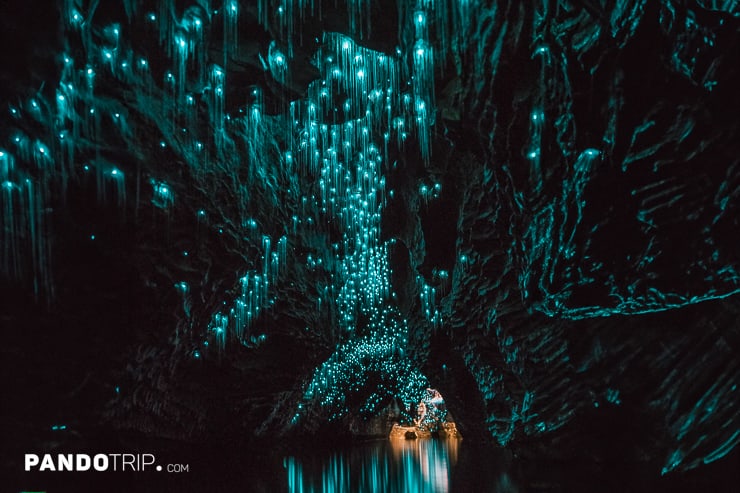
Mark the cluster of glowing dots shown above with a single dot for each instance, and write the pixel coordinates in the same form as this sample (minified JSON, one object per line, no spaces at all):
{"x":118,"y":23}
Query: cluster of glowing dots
{"x":363,"y":103}
{"x":255,"y":296}
{"x":346,"y":375}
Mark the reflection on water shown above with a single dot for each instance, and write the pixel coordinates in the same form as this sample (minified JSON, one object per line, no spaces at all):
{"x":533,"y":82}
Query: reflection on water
{"x":427,"y":463}
{"x":392,"y":466}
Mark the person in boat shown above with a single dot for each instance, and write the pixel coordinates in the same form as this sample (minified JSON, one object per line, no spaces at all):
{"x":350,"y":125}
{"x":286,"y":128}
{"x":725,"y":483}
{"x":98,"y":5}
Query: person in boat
{"x":431,"y":412}
{"x":421,"y":414}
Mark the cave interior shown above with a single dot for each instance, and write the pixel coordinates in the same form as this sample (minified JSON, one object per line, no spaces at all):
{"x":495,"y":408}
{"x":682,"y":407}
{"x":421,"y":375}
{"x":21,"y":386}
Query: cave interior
{"x":229,"y":222}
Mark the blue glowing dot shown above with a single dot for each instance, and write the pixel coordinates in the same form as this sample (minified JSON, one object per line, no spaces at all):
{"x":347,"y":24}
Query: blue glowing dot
{"x":118,"y":389}
{"x":92,"y":237}
{"x":152,"y":17}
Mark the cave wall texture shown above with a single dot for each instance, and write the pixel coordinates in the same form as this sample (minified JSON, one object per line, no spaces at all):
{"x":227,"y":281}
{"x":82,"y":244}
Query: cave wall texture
{"x":238,"y":219}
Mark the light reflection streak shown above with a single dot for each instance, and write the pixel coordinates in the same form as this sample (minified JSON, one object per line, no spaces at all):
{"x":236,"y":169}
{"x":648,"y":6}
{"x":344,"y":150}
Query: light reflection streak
{"x":422,"y":466}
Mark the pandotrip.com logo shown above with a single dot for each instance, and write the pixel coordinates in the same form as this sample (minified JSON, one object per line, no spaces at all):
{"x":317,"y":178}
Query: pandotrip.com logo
{"x":110,"y":462}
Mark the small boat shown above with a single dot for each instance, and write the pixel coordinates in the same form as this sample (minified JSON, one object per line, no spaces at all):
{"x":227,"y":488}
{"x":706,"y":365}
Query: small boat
{"x":444,"y":430}
{"x":433,"y":420}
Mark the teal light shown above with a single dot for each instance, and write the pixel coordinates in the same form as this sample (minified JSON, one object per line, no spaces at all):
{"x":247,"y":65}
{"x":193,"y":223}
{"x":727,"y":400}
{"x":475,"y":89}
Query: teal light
{"x":421,"y":466}
{"x":162,"y":195}
{"x":327,"y":168}
{"x":612,"y":396}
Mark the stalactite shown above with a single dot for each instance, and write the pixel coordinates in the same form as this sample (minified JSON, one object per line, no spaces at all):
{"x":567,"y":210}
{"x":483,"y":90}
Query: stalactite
{"x":230,"y":19}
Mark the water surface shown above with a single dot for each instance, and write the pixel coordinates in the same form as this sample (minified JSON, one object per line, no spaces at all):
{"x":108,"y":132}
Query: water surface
{"x":420,"y":466}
